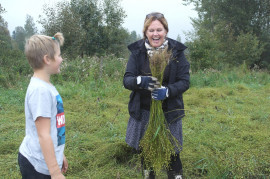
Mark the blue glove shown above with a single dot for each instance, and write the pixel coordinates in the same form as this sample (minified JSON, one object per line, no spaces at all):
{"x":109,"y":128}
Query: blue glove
{"x":160,"y":93}
{"x":148,"y":82}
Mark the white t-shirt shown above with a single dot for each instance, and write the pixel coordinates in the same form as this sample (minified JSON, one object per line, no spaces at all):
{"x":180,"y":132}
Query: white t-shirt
{"x":43,"y":100}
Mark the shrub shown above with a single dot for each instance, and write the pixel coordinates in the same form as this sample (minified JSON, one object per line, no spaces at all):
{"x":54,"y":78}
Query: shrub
{"x":246,"y":48}
{"x":221,"y":48}
{"x":13,"y":67}
{"x":91,"y":68}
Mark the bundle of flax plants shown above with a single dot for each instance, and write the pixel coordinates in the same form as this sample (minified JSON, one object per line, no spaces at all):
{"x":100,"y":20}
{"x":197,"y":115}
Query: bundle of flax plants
{"x":158,"y":144}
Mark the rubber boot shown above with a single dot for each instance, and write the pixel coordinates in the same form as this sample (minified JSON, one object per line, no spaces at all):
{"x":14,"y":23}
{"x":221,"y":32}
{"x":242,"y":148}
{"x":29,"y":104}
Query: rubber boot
{"x":178,"y":176}
{"x":173,"y":175}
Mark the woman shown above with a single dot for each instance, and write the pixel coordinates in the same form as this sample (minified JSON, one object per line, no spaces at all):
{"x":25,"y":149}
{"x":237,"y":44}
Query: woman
{"x":138,"y":79}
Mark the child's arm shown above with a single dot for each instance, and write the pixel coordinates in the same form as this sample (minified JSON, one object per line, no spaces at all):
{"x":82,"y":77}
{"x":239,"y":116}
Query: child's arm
{"x":43,"y":126}
{"x":65,"y":165}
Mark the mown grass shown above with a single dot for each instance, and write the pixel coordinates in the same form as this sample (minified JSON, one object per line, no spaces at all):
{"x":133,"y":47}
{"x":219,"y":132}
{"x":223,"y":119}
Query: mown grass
{"x":226,"y":128}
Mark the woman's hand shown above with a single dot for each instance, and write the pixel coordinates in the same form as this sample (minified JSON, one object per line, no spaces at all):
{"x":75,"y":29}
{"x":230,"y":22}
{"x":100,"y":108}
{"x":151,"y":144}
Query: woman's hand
{"x":160,"y":93}
{"x":148,"y":82}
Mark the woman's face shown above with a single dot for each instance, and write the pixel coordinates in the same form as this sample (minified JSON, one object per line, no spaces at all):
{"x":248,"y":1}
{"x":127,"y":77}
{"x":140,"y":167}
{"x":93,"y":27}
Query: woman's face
{"x":156,"y":33}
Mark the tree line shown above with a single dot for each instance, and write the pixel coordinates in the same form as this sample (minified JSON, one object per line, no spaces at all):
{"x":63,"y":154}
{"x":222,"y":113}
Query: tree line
{"x":226,"y":33}
{"x":90,"y":27}
{"x":230,"y":33}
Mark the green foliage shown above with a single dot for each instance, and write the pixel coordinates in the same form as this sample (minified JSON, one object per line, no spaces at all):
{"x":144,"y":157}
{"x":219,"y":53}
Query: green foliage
{"x":14,"y":67}
{"x":3,"y":23}
{"x":114,"y":14}
{"x":132,"y":37}
{"x":251,"y":16}
{"x":5,"y":41}
{"x":203,"y":52}
{"x":247,"y":48}
{"x":20,"y":34}
{"x":220,"y":49}
{"x":19,"y":37}
{"x":214,"y":78}
{"x":91,"y":68}
{"x":29,"y":27}
{"x":240,"y":22}
{"x":90,"y":27}
{"x":13,"y":64}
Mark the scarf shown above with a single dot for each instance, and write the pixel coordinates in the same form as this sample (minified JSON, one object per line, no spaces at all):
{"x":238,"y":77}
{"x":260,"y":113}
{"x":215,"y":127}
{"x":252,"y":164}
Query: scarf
{"x":151,"y":50}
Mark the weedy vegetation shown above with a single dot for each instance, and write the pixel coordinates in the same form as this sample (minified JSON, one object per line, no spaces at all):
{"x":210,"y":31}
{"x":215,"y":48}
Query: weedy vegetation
{"x":157,"y":144}
{"x":226,"y":128}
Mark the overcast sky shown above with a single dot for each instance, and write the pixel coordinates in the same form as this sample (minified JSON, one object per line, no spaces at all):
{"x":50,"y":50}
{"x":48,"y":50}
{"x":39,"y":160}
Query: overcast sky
{"x":177,"y":15}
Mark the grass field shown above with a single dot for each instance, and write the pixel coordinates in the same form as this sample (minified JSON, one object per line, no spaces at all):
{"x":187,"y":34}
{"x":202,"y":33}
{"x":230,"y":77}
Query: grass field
{"x":226,"y":128}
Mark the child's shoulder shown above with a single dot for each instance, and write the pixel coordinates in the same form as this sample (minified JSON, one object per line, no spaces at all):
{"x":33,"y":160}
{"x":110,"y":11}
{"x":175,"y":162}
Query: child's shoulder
{"x":37,"y":85}
{"x":36,"y":82}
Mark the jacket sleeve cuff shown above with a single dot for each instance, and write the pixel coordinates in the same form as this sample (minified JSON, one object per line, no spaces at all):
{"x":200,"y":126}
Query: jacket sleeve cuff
{"x":139,"y":80}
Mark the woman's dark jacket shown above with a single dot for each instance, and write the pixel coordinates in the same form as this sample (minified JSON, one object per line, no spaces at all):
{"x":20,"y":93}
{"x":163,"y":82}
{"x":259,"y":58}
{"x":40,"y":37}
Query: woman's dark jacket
{"x":176,"y":78}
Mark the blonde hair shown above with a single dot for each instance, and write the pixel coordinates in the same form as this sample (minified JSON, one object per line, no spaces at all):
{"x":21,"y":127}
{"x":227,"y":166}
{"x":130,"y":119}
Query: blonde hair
{"x":37,"y":46}
{"x":148,"y":21}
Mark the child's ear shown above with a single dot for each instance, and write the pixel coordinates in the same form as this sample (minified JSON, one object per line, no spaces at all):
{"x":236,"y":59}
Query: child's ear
{"x":46,"y":59}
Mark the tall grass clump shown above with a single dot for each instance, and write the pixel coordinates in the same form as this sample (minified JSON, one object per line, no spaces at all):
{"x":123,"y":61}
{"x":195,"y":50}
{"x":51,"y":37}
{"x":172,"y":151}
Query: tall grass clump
{"x":157,"y":142}
{"x":14,"y":68}
{"x":87,"y":69}
{"x":235,"y":76}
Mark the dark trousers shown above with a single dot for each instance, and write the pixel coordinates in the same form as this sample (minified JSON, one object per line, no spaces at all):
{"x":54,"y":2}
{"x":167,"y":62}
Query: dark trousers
{"x":176,"y":164}
{"x":27,"y":169}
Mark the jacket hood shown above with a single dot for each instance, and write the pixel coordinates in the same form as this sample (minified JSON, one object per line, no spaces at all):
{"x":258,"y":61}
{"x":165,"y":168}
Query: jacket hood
{"x":137,"y":46}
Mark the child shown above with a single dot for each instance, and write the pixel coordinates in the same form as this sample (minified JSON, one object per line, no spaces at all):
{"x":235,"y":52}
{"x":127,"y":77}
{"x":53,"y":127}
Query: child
{"x":41,"y":154}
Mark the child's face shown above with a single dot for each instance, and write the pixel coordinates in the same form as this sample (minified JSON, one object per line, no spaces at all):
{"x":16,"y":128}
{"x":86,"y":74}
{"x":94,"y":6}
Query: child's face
{"x":56,"y":63}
